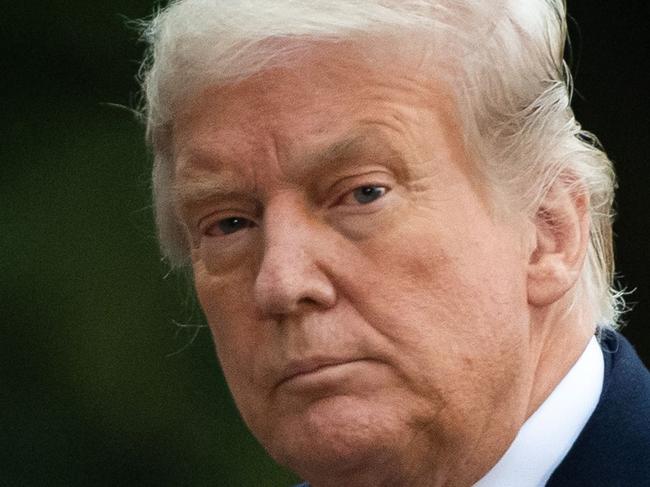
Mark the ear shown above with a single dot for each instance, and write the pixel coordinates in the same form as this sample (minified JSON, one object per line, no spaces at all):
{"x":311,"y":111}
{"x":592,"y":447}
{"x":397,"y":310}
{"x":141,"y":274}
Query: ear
{"x":561,"y":239}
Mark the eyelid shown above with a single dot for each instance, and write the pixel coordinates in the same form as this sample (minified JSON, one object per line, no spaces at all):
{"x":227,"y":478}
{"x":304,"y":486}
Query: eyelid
{"x":213,"y":218}
{"x":351,"y":194}
{"x":226,"y":205}
{"x":346,"y":185}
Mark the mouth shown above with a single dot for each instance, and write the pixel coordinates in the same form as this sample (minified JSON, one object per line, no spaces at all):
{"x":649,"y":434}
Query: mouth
{"x":314,"y":368}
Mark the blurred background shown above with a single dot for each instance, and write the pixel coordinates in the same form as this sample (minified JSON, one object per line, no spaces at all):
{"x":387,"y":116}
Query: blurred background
{"x":106,"y":376}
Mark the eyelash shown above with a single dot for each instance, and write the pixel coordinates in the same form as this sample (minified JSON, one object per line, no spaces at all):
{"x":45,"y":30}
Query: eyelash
{"x":360,"y":191}
{"x":247,"y":223}
{"x":230,"y":220}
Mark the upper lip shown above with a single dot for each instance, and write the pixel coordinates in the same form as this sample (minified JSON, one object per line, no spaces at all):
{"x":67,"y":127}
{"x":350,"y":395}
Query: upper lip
{"x":306,"y":366}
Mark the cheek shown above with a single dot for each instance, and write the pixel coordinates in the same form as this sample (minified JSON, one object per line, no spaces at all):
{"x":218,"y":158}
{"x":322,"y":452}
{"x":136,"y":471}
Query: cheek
{"x":436,"y":304}
{"x":243,"y":344}
{"x":227,"y":302}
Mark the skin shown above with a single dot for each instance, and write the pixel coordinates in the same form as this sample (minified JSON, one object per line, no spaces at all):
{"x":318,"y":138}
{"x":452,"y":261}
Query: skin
{"x":377,"y":321}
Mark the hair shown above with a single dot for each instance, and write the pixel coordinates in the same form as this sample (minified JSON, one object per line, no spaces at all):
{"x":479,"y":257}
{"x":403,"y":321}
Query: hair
{"x":503,"y":59}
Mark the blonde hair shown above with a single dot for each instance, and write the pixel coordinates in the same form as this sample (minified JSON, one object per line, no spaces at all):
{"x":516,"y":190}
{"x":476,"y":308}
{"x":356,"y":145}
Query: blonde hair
{"x":504,"y":59}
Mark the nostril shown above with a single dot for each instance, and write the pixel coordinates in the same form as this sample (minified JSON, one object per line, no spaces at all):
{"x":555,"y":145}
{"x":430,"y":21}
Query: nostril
{"x":308,"y":301}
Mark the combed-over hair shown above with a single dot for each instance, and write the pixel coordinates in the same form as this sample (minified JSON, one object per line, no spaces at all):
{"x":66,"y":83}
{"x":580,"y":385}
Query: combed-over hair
{"x":503,"y":60}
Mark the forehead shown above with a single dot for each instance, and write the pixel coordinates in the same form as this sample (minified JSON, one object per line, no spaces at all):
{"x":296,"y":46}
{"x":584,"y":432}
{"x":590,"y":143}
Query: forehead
{"x":330,"y":103}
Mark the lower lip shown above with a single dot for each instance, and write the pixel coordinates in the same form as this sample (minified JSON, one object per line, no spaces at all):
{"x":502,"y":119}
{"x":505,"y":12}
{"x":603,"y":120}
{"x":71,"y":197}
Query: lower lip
{"x":327,"y":375}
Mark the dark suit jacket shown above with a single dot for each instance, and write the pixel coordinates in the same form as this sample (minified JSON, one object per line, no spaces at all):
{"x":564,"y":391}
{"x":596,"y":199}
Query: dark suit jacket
{"x":613,"y":449}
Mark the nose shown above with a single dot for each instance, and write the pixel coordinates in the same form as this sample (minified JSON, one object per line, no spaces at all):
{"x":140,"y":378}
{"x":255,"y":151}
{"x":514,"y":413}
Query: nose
{"x":292,"y":276}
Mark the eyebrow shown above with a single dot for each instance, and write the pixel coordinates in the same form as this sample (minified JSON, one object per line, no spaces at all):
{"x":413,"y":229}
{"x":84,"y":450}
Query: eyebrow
{"x":342,"y":149}
{"x":204,"y":185}
{"x":208,"y":178}
{"x":350,"y":151}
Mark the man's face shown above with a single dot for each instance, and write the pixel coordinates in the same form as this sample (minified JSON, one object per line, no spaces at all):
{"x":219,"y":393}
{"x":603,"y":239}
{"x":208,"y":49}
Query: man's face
{"x":368,"y":308}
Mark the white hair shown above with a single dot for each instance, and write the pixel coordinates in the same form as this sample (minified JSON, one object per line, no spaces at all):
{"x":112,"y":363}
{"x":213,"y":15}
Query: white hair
{"x":504,"y":60}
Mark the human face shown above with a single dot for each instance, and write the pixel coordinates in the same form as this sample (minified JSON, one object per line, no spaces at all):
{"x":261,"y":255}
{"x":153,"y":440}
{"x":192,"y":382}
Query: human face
{"x":368,"y":309}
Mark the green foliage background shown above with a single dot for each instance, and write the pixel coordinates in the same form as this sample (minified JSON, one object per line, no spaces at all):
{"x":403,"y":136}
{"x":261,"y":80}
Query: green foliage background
{"x":99,"y":385}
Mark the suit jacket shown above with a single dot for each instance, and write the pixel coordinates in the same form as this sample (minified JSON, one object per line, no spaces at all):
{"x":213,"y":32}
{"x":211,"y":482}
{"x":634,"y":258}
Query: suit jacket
{"x":613,"y":449}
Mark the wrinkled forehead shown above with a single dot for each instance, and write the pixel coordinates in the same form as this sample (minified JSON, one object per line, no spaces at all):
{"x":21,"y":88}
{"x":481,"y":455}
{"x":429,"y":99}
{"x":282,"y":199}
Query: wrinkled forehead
{"x":333,"y":102}
{"x":318,"y":63}
{"x":324,"y":90}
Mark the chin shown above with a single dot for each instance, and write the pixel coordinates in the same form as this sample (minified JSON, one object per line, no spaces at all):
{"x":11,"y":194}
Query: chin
{"x":334,"y":435}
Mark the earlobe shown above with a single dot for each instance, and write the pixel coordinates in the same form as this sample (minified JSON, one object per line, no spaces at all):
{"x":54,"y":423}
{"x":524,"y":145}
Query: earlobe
{"x":561,"y":227}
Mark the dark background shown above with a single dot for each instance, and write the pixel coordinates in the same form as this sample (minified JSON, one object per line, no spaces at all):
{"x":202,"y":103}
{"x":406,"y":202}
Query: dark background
{"x":104,"y":377}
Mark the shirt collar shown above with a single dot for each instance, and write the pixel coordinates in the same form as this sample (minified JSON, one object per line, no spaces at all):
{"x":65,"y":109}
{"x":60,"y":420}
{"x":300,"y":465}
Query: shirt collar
{"x":547,"y":436}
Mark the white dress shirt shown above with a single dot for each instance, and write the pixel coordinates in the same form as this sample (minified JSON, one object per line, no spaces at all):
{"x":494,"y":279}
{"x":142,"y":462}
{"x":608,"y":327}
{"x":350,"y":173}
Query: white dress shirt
{"x":547,"y":436}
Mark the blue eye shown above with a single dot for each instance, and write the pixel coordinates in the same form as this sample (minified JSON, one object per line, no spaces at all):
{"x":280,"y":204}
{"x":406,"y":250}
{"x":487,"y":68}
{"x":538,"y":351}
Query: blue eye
{"x":229,"y":225}
{"x":368,"y":194}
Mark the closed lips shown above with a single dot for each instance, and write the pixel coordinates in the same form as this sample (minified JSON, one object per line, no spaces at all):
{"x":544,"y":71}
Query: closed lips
{"x":304,"y":367}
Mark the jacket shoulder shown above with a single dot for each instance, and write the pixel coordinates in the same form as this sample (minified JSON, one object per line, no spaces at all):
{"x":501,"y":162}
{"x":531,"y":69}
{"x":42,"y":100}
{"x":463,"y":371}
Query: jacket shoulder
{"x":612,"y":449}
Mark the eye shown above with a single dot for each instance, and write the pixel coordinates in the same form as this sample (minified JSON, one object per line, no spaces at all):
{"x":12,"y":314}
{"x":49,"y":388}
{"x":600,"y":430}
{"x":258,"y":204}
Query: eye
{"x":367,"y":194}
{"x":228,"y":226}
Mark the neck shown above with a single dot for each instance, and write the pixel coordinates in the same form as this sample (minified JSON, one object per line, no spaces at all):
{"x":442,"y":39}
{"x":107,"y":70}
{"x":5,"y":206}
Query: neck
{"x":557,"y":340}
